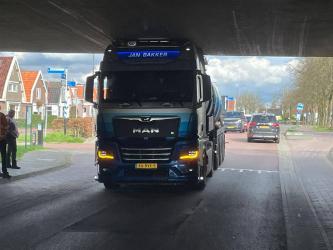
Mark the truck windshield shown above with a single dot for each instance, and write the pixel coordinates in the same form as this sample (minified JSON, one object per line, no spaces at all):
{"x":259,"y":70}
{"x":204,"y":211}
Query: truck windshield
{"x":149,"y":86}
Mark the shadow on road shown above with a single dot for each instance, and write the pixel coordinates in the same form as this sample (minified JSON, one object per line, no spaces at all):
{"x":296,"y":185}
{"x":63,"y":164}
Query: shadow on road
{"x":140,"y":190}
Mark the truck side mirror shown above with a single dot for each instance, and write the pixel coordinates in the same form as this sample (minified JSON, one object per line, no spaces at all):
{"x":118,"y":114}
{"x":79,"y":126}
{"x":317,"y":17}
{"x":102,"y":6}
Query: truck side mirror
{"x":89,"y":90}
{"x":207,"y":88}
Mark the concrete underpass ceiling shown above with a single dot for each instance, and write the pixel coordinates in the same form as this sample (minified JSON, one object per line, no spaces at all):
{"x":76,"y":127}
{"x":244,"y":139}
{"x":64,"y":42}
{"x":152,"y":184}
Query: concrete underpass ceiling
{"x":229,"y":27}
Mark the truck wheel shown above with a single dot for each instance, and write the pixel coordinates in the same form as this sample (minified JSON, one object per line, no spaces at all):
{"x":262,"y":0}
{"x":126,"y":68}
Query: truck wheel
{"x":216,"y":162}
{"x":210,"y":174}
{"x":223,"y":152}
{"x":277,"y":140}
{"x":110,"y":185}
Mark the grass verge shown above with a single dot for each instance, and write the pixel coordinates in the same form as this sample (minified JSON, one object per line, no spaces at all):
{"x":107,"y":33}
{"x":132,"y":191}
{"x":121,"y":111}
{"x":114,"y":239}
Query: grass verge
{"x":59,"y":137}
{"x":292,"y":129}
{"x":321,"y":129}
{"x":21,"y":150}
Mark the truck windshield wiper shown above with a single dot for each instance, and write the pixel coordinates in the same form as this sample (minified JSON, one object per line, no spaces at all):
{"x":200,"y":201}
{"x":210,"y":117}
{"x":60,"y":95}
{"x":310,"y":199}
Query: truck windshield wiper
{"x":125,"y":104}
{"x":164,"y":104}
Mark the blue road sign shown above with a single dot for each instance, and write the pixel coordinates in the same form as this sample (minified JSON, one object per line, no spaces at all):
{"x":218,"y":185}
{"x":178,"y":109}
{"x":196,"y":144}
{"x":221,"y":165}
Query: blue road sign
{"x":71,"y":83}
{"x":230,"y":98}
{"x":300,"y":106}
{"x":56,"y":71}
{"x":63,"y":76}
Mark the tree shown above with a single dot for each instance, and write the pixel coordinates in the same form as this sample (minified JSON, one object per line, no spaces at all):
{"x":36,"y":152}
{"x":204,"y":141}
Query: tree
{"x":313,"y":86}
{"x":249,"y":102}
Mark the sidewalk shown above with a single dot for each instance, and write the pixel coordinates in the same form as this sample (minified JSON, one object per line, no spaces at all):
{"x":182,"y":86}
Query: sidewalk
{"x":306,"y":185}
{"x":77,"y":148}
{"x":38,"y":162}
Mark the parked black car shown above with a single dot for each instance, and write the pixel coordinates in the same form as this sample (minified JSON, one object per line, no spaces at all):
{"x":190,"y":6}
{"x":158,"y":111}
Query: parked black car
{"x":263,"y":127}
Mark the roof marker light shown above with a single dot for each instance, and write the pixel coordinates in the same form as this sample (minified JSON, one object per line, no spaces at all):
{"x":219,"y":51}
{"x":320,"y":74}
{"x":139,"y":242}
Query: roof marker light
{"x":131,"y":43}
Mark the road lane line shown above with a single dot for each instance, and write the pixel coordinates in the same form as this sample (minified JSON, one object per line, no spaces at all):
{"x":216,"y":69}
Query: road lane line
{"x":249,"y":170}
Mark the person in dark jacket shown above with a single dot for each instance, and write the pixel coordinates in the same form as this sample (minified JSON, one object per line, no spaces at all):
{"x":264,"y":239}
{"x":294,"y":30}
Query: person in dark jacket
{"x":3,"y":135}
{"x":12,"y":135}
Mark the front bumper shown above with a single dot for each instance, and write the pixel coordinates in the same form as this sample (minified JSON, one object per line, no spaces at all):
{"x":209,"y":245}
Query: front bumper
{"x":173,"y":172}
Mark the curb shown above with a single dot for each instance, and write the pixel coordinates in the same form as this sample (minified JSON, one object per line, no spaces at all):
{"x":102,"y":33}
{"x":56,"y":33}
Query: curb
{"x":67,"y":163}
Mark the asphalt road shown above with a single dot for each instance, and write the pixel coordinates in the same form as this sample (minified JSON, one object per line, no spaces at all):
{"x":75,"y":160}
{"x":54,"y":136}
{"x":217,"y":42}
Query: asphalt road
{"x":241,"y":208}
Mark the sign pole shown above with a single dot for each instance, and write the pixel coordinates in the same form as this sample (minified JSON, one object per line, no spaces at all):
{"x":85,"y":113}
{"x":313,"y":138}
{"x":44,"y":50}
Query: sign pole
{"x":26,"y":128}
{"x":65,"y":107}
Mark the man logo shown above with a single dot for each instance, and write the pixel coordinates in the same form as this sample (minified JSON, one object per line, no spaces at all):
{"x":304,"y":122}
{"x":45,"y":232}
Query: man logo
{"x":145,"y":119}
{"x":146,"y":131}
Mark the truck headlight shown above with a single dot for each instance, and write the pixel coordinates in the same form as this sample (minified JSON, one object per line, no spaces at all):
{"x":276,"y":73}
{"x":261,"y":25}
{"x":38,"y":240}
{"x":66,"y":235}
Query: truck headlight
{"x":190,"y":155}
{"x":104,"y":155}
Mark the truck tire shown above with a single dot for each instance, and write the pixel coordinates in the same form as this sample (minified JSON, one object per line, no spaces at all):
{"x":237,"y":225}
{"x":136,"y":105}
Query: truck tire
{"x":210,"y":174}
{"x":223,"y":151}
{"x":110,"y":185}
{"x":216,"y":161}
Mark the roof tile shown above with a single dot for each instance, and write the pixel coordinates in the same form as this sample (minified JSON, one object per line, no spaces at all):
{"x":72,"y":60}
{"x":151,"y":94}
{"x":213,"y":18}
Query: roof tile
{"x":29,"y":78}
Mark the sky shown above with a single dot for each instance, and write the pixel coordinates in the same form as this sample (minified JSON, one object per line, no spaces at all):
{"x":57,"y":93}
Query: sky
{"x":233,"y":75}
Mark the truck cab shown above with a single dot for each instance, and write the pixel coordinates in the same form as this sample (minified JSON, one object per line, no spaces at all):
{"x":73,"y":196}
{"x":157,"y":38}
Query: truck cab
{"x":158,"y":117}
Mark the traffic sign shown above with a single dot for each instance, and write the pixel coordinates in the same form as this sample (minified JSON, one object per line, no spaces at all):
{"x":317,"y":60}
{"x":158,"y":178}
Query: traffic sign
{"x":56,"y":70}
{"x":230,"y":98}
{"x":66,"y":111}
{"x":71,"y":83}
{"x":300,"y":106}
{"x":63,"y":76}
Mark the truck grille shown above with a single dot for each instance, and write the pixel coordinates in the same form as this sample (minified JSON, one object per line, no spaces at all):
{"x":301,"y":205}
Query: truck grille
{"x":146,"y":154}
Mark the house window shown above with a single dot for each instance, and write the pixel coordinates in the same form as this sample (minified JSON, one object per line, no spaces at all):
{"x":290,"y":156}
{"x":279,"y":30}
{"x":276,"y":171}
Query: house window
{"x":39,"y":93}
{"x":12,"y":87}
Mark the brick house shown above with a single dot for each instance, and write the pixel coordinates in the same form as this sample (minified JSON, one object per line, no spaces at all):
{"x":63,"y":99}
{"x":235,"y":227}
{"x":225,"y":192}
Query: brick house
{"x":80,"y":107}
{"x":36,"y":90}
{"x":12,"y":92}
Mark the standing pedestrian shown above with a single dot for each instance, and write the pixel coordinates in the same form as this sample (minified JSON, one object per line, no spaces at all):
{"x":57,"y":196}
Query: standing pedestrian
{"x":3,"y":135}
{"x":12,"y":135}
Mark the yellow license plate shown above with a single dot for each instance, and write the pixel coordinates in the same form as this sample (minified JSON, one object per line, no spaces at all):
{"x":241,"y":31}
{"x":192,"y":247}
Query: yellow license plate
{"x":263,"y":126}
{"x":231,"y":127}
{"x":146,"y":165}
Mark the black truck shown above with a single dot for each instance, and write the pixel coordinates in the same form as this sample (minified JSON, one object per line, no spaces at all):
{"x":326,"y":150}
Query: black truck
{"x":159,"y":116}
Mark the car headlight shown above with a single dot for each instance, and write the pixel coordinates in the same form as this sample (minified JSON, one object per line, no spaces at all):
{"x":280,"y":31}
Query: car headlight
{"x":190,"y":155}
{"x":104,"y":155}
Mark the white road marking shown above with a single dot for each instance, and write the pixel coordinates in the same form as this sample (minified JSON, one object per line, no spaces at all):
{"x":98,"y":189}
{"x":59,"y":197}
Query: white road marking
{"x":45,"y":159}
{"x":259,"y":171}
